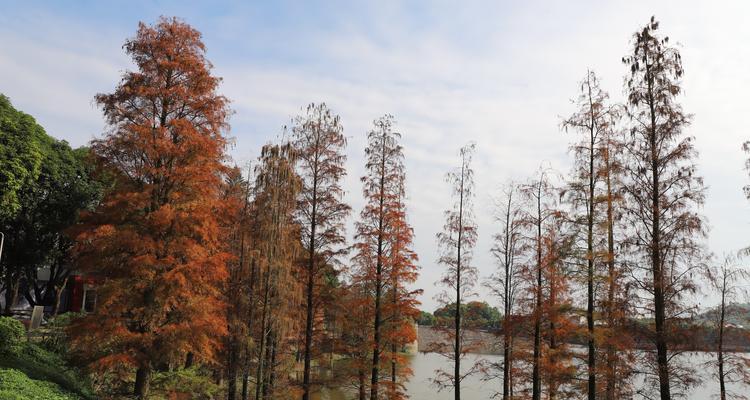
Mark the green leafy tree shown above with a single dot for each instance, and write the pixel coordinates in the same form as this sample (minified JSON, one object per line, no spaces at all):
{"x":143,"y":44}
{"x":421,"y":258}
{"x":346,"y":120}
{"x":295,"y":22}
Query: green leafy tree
{"x":46,"y":205}
{"x":20,"y":156}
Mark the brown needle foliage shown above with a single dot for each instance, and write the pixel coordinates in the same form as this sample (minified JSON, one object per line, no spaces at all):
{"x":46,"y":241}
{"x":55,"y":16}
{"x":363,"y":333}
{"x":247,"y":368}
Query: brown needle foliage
{"x":155,"y":242}
{"x":318,"y":139}
{"x":662,"y":190}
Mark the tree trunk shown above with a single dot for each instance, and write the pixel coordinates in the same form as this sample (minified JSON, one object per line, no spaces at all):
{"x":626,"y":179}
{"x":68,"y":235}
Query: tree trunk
{"x":611,"y":361}
{"x":590,"y":271}
{"x":362,"y":385}
{"x":656,"y":261}
{"x":310,"y":311}
{"x":378,"y":279}
{"x":11,"y":293}
{"x":232,"y":370}
{"x":142,"y":382}
{"x":536,"y":391}
{"x":720,"y":352}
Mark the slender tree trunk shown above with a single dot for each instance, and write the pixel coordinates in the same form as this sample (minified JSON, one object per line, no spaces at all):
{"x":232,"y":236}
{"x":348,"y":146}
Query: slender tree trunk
{"x":245,"y":383}
{"x":142,"y":382}
{"x":590,"y":259}
{"x":656,"y":261}
{"x":310,"y":312}
{"x":362,"y":385}
{"x":506,"y":363}
{"x":611,"y":354}
{"x":457,"y":344}
{"x":536,"y":391}
{"x":58,"y":296}
{"x":232,"y":370}
{"x":11,"y":293}
{"x":259,"y":377}
{"x":378,"y":281}
{"x":720,"y":352}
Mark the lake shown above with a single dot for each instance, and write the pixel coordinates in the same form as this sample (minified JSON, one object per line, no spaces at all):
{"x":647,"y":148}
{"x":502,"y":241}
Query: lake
{"x":473,"y":388}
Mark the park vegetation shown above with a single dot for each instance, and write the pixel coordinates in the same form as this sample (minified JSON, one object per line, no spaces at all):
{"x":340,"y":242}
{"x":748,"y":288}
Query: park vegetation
{"x":240,"y":282}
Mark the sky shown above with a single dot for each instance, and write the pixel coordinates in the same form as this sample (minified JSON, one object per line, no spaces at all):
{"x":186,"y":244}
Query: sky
{"x":501,"y":74}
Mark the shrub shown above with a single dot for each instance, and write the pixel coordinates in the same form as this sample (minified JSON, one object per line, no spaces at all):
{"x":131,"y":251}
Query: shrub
{"x":15,"y":385}
{"x":12,"y":335}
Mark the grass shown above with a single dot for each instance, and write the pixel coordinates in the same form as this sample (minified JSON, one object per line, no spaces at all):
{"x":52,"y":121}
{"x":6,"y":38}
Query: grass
{"x":43,"y":370}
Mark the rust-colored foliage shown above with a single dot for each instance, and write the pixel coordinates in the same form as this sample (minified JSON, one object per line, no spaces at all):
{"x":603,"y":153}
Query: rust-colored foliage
{"x":155,"y":242}
{"x":278,"y":293}
{"x":319,"y":143}
{"x":384,"y":262}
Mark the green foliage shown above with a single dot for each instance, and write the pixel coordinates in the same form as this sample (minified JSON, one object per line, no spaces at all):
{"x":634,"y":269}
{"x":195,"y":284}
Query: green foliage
{"x":12,"y":335}
{"x":426,"y":319}
{"x":20,"y":155}
{"x":40,"y":364}
{"x":45,"y":204}
{"x":193,"y":381}
{"x":475,"y":315}
{"x":55,"y":333}
{"x":15,"y":385}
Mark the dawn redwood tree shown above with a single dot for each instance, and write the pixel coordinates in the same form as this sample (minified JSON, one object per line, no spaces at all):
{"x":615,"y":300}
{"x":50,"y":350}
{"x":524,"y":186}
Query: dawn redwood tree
{"x":318,"y":139}
{"x":154,"y":241}
{"x":663,"y":191}
{"x":505,"y":282}
{"x":379,"y":230}
{"x":540,"y":210}
{"x":456,"y":243}
{"x":558,"y":371}
{"x":236,"y":222}
{"x":401,"y":308}
{"x":728,"y":280}
{"x":618,"y":358}
{"x":592,"y":119}
{"x":277,"y":249}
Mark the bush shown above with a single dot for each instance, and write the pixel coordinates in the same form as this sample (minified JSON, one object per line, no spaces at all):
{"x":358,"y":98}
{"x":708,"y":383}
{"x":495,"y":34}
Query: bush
{"x":40,"y":364}
{"x":12,"y":335}
{"x":192,"y":382}
{"x":15,"y":385}
{"x":55,"y":335}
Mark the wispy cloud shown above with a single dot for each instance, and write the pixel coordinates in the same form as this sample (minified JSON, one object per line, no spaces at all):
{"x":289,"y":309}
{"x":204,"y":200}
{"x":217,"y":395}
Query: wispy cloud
{"x":497,"y":73}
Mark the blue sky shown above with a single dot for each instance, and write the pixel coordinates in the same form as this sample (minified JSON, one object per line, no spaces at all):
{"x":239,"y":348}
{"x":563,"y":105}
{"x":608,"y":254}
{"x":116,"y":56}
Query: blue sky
{"x":498,"y":73}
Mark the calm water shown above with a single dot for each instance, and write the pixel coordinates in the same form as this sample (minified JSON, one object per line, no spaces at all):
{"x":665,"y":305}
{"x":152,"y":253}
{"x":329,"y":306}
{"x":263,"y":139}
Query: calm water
{"x":424,"y":365}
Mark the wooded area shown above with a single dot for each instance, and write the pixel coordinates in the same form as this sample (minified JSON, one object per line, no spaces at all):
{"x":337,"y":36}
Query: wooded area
{"x":217,"y":280}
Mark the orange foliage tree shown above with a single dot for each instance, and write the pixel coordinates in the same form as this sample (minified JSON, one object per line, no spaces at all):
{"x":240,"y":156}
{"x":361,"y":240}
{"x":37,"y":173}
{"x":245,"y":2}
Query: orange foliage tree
{"x":155,"y":241}
{"x":319,"y":143}
{"x":276,"y":248}
{"x":383,"y":260}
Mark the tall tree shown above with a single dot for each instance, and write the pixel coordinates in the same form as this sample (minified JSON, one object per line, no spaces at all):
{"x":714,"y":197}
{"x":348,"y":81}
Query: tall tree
{"x":592,"y":119}
{"x":20,"y":155}
{"x":20,"y":165}
{"x":456,"y":242}
{"x":663,"y":191}
{"x":277,"y":242}
{"x":401,"y":308}
{"x":540,"y":211}
{"x":154,"y":240}
{"x":319,"y":141}
{"x":505,"y":282}
{"x":379,"y":229}
{"x":237,"y":189}
{"x":728,"y":281}
{"x":556,"y":366}
{"x":618,"y":357}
